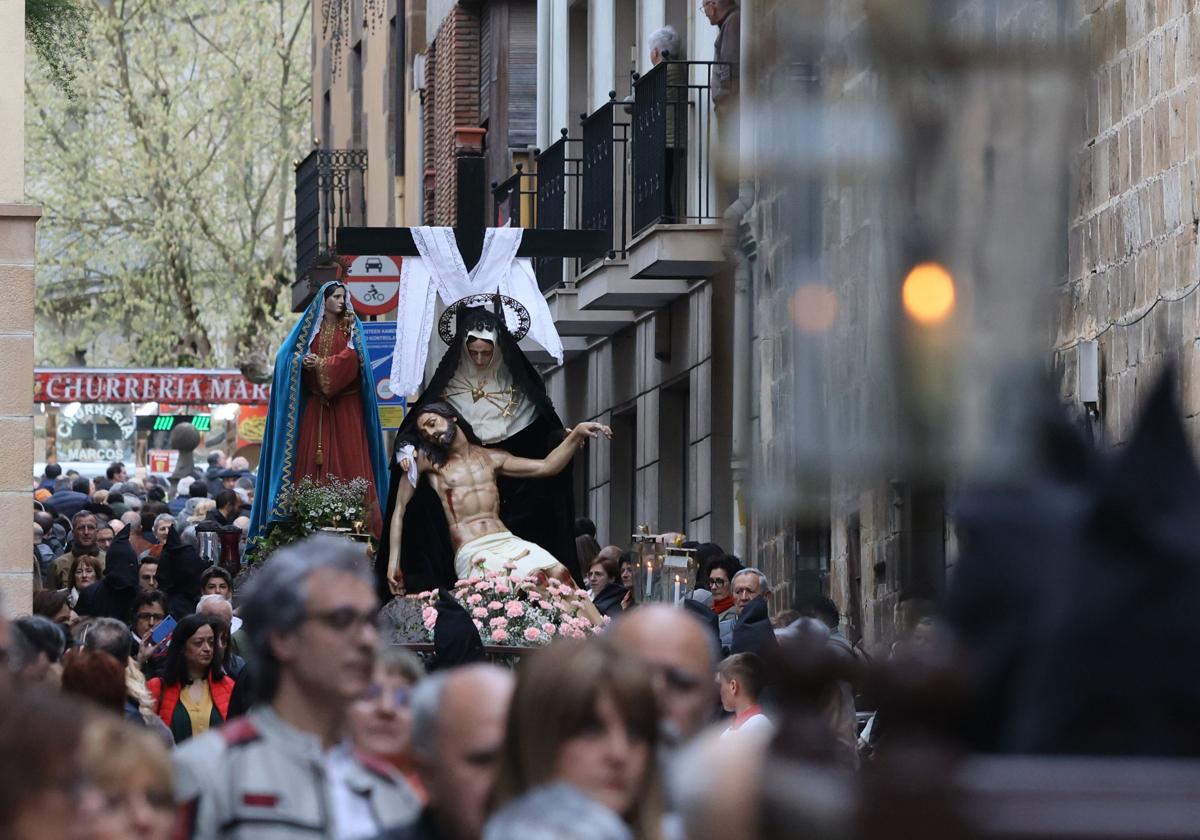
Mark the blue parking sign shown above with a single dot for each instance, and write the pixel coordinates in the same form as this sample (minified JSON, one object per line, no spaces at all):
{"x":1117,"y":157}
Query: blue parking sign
{"x":381,"y":342}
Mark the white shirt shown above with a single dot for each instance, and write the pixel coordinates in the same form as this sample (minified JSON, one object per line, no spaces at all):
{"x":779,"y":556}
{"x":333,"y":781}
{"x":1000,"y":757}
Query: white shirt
{"x":352,"y":815}
{"x":757,"y":724}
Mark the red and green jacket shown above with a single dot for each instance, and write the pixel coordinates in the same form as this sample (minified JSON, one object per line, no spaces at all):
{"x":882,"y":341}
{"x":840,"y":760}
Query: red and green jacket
{"x":172,"y":713}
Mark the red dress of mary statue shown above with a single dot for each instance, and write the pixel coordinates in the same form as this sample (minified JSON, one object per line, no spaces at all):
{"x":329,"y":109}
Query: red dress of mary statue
{"x":332,"y":439}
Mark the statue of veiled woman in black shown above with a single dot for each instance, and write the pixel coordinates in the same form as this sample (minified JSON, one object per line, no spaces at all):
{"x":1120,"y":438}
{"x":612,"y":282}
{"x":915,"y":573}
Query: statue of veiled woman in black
{"x":502,"y":403}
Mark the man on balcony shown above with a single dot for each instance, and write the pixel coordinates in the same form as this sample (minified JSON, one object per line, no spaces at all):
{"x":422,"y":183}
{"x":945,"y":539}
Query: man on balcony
{"x":724,"y":86}
{"x":724,"y":14}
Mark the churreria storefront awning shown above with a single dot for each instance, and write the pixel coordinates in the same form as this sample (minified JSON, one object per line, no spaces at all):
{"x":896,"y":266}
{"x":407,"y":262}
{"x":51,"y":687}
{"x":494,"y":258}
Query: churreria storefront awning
{"x":177,"y":386}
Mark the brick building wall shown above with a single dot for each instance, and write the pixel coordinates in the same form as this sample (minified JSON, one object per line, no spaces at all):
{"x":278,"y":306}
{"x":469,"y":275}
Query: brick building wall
{"x":1134,"y":211}
{"x":451,"y":104}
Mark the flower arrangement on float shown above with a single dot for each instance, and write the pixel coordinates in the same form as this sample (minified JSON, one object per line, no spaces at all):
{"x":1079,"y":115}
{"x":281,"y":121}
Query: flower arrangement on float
{"x":309,"y":506}
{"x":515,"y":611}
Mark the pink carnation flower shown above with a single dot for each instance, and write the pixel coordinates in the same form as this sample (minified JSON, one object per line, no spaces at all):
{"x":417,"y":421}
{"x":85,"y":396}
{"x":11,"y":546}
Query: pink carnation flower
{"x":474,"y":599}
{"x":479,"y":612}
{"x":532,"y":634}
{"x":514,"y":609}
{"x":495,"y":605}
{"x":429,"y":617}
{"x":499,"y":635}
{"x":510,"y":565}
{"x":498,"y":622}
{"x":549,"y":629}
{"x":478,"y":624}
{"x":502,"y":588}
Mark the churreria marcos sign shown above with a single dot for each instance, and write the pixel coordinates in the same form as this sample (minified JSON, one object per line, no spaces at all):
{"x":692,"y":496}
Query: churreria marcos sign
{"x":180,"y":386}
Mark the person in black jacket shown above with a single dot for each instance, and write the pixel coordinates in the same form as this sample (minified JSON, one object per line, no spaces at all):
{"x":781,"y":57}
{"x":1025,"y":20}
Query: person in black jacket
{"x":112,"y":595}
{"x":606,"y":591}
{"x":180,"y":569}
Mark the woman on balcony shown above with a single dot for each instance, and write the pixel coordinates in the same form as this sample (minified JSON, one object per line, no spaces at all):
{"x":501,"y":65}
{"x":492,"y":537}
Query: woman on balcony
{"x":666,"y":45}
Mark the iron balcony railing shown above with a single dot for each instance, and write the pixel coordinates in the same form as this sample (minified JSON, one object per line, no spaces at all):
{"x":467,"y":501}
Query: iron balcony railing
{"x":674,"y":131}
{"x":605,"y":175}
{"x":558,"y":176}
{"x":514,"y":199}
{"x":331,"y":192}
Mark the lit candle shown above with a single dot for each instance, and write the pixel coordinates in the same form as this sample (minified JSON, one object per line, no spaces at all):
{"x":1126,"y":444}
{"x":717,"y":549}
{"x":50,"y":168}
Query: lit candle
{"x":676,"y":589}
{"x":649,"y":581}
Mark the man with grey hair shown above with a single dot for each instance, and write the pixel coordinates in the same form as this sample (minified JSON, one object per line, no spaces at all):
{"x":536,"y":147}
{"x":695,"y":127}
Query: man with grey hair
{"x":724,"y":15}
{"x":284,"y":768}
{"x":752,"y":633}
{"x":457,"y":729}
{"x":753,"y":584}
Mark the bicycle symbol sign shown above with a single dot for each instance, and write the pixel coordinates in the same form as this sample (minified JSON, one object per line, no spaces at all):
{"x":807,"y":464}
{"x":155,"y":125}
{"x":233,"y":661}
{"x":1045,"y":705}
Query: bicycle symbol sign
{"x":373,"y":281}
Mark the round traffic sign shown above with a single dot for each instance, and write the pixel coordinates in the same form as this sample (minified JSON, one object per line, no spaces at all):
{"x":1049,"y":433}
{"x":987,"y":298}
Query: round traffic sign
{"x":374,"y":283}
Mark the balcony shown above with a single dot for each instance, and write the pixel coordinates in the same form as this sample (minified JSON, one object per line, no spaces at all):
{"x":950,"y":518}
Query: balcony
{"x":643,"y":171}
{"x":330,"y":193}
{"x":677,"y":205}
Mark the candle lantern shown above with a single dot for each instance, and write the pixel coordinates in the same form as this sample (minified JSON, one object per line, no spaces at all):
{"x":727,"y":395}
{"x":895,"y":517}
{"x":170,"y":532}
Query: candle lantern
{"x":665,"y":569}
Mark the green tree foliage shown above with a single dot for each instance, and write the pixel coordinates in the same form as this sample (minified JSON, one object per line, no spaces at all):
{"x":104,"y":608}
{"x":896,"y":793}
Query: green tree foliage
{"x":166,"y":181}
{"x":57,"y":31}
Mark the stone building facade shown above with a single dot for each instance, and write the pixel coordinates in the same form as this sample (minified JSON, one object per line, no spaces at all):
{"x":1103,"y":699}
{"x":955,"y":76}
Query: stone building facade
{"x":1133,"y":272}
{"x":854,"y":460}
{"x":17,"y":249}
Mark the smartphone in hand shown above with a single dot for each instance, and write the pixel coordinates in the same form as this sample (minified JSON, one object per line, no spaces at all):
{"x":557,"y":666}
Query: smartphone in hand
{"x":163,"y":630}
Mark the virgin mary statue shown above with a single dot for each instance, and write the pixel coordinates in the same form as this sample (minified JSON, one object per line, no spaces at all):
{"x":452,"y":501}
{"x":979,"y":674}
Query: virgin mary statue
{"x":323,"y":417}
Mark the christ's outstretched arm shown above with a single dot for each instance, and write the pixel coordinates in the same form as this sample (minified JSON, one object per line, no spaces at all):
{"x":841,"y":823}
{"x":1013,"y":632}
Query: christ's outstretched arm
{"x":556,"y":461}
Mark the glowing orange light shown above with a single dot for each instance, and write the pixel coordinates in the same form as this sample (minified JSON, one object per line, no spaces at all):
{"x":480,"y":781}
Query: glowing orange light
{"x":928,"y":293}
{"x":813,"y":307}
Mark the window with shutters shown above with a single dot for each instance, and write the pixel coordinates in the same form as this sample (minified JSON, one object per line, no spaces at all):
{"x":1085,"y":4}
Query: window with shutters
{"x":487,"y":68}
{"x":397,"y":57}
{"x":522,"y":74}
{"x":357,"y":140}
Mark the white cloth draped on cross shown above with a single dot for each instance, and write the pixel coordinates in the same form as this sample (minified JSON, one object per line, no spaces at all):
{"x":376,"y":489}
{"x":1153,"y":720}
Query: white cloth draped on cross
{"x":440,"y":269}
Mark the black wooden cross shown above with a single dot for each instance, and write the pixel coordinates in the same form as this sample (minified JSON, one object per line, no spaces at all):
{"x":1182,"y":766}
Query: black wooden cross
{"x":472,"y":221}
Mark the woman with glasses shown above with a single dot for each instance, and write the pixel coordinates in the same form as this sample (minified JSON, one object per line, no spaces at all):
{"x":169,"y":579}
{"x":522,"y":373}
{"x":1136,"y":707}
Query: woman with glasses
{"x":719,"y":578}
{"x":381,"y":719}
{"x":193,"y":693}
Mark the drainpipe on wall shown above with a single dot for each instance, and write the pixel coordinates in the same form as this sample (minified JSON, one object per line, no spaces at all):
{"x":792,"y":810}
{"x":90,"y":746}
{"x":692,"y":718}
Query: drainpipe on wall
{"x":738,"y":253}
{"x":743,"y":360}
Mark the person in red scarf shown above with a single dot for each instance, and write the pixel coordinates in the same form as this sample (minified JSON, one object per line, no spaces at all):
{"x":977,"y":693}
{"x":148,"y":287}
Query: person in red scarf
{"x":719,"y":577}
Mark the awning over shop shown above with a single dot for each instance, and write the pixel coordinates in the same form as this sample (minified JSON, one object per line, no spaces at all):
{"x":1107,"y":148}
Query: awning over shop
{"x":178,"y":386}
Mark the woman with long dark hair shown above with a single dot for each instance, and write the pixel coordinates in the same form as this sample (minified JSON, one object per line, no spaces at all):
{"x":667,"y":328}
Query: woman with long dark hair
{"x":580,"y":747}
{"x":193,"y":692}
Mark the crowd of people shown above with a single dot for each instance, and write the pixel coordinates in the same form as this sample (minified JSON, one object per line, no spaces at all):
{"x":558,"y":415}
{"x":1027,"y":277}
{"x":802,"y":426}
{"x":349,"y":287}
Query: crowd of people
{"x":275,"y":708}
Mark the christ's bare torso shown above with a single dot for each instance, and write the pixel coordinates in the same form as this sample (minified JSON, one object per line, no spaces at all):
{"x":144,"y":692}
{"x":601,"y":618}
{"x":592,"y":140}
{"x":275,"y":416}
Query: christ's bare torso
{"x":466,"y":485}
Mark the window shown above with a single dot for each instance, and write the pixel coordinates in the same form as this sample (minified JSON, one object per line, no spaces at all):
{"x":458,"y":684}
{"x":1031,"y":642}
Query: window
{"x":397,"y":58}
{"x":326,"y":121}
{"x":357,"y":140}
